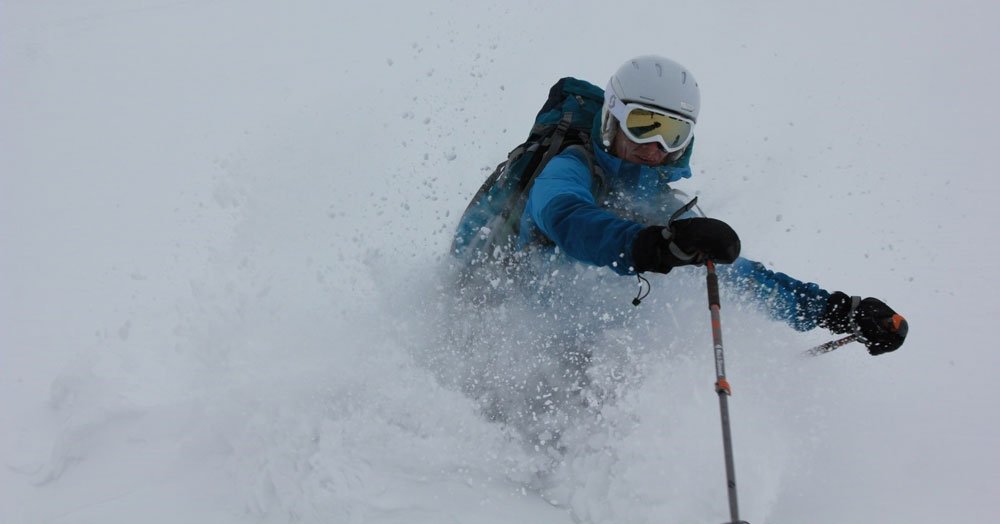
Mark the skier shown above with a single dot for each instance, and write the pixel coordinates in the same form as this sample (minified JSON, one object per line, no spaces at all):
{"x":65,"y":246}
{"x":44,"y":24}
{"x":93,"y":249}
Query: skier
{"x":606,"y":203}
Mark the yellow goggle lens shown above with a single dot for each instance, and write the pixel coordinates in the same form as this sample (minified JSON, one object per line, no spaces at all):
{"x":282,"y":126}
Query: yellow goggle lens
{"x":643,"y":126}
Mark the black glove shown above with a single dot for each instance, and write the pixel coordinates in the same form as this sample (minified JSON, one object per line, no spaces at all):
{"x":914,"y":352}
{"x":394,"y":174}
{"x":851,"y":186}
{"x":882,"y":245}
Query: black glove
{"x":882,"y":329}
{"x":684,"y":242}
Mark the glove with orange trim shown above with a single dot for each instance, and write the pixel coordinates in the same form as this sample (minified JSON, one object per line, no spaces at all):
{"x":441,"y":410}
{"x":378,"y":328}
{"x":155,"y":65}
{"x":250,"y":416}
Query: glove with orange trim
{"x":881,"y":329}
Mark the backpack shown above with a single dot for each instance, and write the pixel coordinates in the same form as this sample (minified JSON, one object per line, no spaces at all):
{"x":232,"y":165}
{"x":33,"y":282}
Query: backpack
{"x":490,"y":226}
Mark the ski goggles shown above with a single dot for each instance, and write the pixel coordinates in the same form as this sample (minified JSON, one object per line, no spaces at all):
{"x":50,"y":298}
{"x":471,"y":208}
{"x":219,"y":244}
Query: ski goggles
{"x":645,"y":124}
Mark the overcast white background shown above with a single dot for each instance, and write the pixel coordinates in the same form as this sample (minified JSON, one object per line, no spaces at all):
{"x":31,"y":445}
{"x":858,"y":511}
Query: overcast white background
{"x":217,"y":219}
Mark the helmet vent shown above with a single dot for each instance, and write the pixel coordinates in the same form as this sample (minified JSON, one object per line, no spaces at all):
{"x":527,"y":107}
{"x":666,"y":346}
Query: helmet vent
{"x":684,"y":77}
{"x":659,"y":70}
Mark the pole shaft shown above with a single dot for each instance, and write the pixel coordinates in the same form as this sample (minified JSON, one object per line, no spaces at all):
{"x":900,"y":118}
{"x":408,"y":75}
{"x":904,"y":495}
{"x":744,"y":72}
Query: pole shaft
{"x":723,"y":389}
{"x":832,"y":345}
{"x":727,"y":443}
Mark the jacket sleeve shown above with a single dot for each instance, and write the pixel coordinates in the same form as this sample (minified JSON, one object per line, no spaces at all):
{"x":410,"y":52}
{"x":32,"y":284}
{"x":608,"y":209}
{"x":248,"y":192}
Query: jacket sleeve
{"x":562,"y":206}
{"x":798,"y":304}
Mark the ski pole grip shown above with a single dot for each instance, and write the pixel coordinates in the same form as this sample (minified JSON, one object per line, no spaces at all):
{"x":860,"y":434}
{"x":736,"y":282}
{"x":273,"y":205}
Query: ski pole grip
{"x":897,"y":324}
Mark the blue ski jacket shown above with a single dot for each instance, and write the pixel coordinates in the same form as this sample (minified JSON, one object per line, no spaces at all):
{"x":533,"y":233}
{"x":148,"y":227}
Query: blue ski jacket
{"x":595,"y":219}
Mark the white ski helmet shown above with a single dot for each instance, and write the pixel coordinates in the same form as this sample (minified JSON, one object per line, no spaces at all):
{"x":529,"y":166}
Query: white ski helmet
{"x":650,"y":80}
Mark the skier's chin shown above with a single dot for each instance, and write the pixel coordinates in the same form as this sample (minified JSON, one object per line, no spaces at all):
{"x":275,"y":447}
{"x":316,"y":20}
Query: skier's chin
{"x":647,"y":161}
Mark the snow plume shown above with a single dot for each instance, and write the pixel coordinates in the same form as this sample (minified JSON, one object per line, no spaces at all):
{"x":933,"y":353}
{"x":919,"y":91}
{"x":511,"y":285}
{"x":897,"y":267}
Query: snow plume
{"x":281,"y":394}
{"x":319,"y":408}
{"x":613,"y":403}
{"x":315,"y":381}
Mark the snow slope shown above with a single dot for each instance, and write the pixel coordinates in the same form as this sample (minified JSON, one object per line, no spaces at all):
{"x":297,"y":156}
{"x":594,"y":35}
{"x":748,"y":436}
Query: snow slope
{"x":223,"y":227}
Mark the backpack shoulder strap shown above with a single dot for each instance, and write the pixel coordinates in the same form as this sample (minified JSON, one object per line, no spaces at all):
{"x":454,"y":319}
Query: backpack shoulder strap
{"x":598,"y":179}
{"x":557,"y":139}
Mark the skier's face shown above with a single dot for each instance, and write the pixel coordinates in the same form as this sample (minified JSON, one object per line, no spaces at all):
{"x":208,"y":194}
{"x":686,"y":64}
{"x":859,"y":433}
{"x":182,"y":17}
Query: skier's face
{"x":650,"y":154}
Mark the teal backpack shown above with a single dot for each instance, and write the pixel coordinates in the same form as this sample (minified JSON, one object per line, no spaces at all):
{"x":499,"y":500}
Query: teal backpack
{"x":490,"y":226}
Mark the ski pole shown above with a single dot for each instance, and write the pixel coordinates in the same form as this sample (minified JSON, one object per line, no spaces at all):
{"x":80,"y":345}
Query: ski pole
{"x":831,"y":345}
{"x":894,"y":324}
{"x":723,"y":389}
